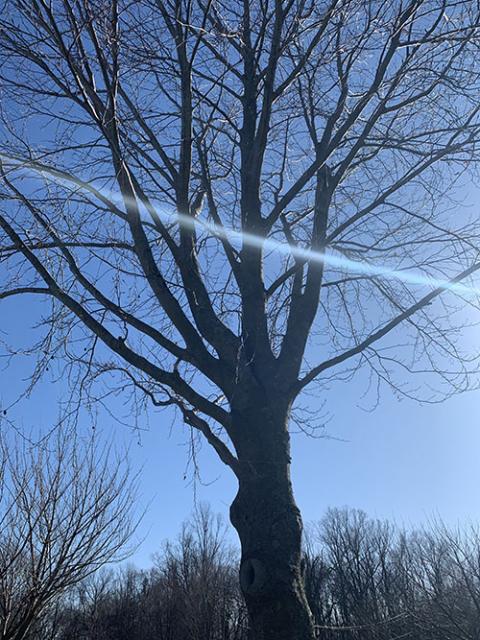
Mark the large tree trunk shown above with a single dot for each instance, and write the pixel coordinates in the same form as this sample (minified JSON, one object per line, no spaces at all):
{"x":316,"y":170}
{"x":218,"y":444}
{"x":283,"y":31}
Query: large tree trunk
{"x":269,"y":526}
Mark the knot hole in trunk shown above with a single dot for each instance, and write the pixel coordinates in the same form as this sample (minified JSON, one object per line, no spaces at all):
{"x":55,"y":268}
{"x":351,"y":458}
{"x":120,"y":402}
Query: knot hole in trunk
{"x":252,"y":575}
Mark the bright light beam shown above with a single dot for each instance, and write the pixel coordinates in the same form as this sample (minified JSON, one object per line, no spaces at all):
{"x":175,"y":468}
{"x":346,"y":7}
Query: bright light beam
{"x":335,"y":260}
{"x":330,"y":259}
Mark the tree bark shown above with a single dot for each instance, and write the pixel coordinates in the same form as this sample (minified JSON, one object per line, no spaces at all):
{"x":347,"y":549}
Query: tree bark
{"x":269,"y":526}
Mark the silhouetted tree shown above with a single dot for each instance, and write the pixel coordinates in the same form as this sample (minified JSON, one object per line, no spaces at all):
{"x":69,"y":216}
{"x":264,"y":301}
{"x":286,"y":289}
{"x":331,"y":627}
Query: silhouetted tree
{"x":337,"y":128}
{"x":65,"y":511}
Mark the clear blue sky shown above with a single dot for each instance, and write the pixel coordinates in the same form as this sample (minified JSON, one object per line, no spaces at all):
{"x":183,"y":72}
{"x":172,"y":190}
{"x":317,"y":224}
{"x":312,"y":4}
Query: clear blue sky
{"x":402,"y":461}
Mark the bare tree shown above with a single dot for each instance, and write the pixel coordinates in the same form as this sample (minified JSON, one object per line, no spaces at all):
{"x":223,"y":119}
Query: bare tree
{"x":82,"y":613}
{"x":356,"y":569}
{"x":379,"y":581}
{"x":65,"y":511}
{"x":226,"y":202}
{"x":447,"y":578}
{"x":190,"y":592}
{"x":196,"y":571}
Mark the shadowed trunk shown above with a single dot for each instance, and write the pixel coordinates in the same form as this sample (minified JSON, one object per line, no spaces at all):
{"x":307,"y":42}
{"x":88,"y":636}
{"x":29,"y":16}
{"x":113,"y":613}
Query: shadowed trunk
{"x":269,"y":526}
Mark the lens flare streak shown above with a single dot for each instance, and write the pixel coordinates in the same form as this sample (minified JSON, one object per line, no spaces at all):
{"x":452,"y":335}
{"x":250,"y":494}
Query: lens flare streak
{"x":328,"y":258}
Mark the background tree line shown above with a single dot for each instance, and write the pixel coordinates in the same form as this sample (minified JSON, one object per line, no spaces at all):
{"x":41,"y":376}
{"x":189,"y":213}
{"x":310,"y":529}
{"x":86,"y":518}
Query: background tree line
{"x":365,"y":579}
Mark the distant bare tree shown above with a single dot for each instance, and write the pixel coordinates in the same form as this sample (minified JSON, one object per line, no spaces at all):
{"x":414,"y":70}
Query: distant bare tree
{"x":190,"y":593}
{"x":65,"y":511}
{"x":361,"y":579}
{"x":447,"y":576}
{"x":137,"y":135}
{"x":197,"y":572}
{"x":369,"y":580}
{"x":82,"y":614}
